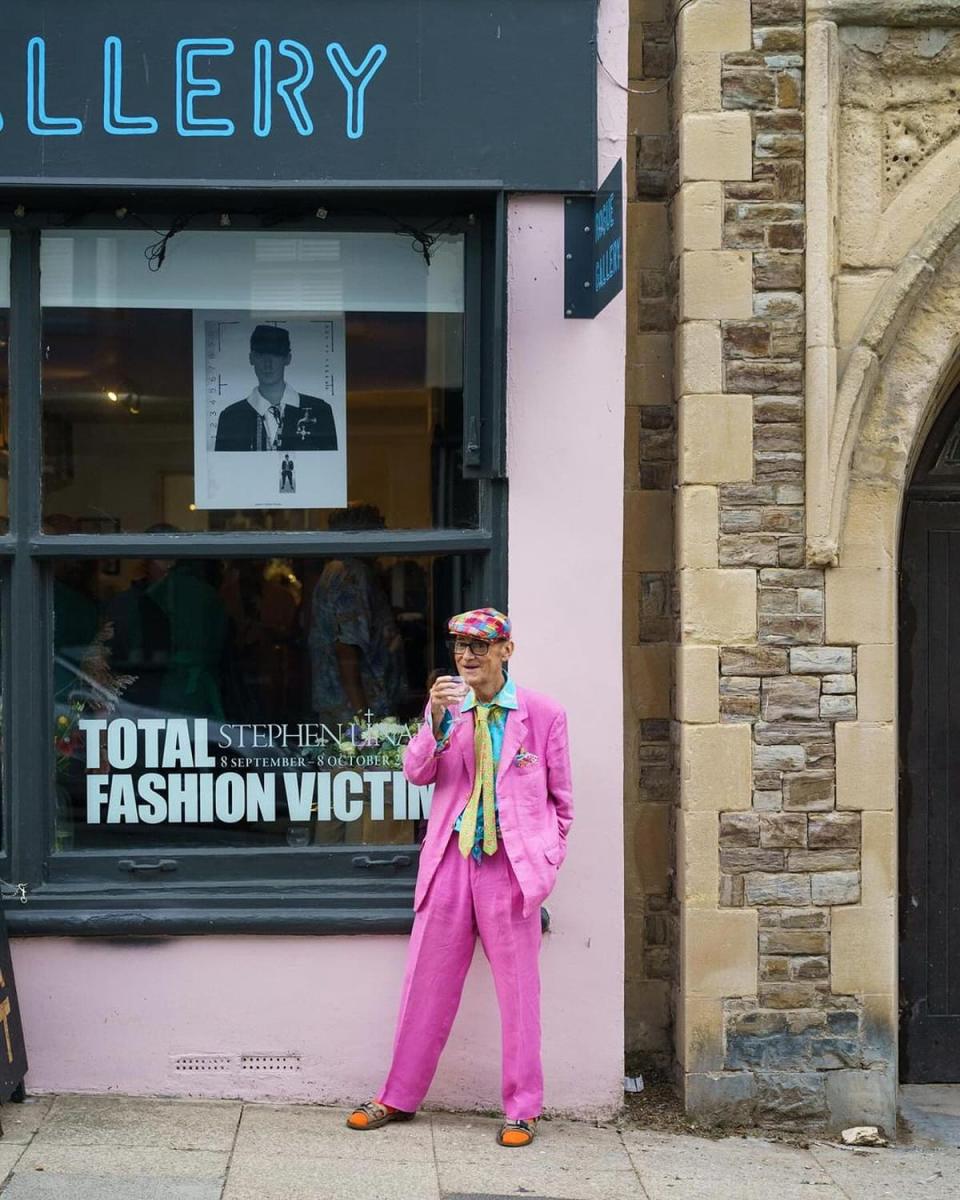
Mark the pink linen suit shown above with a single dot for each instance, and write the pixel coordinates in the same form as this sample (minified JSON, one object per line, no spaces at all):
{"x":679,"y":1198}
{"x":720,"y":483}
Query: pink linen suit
{"x":457,"y":898}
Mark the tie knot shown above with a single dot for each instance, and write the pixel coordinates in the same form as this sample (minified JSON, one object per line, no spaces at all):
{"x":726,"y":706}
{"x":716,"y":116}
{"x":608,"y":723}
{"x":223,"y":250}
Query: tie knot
{"x":484,"y":712}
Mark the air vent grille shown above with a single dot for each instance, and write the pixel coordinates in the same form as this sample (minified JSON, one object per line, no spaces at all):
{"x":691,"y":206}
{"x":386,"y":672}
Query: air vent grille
{"x":270,"y":1062}
{"x":202,"y":1062}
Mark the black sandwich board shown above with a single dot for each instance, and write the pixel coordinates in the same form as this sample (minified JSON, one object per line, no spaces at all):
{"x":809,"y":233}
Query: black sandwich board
{"x":13,"y":1052}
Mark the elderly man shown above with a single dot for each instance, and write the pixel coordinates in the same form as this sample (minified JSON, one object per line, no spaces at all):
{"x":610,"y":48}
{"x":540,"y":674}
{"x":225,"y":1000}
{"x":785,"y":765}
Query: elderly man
{"x":496,"y":837}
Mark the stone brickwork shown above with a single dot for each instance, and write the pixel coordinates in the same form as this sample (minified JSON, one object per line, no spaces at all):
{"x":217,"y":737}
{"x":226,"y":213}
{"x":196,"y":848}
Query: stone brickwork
{"x":767,"y":848}
{"x":652,"y":930}
{"x":793,"y":331}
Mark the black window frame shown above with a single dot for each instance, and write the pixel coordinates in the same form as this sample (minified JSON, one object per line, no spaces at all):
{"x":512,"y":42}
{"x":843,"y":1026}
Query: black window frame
{"x":217,"y":890}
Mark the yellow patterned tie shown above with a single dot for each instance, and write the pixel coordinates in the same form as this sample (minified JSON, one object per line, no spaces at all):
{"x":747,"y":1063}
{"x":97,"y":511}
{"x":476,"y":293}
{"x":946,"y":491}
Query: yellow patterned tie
{"x":482,"y":787}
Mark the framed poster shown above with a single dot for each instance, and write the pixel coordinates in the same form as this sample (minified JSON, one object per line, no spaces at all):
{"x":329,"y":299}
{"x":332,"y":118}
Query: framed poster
{"x":269,"y":411}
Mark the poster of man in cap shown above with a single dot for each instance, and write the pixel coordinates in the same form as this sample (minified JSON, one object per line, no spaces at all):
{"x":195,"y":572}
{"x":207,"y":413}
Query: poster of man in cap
{"x":269,"y":405}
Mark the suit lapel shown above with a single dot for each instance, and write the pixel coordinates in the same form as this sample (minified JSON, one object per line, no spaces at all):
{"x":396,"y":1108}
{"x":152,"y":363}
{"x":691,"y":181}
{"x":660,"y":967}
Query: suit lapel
{"x":513,"y":735}
{"x":462,"y":737}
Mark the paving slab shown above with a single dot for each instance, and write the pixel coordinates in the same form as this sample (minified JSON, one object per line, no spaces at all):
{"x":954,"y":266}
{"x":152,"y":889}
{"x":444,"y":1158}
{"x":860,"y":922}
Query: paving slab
{"x":9,"y":1157}
{"x":124,"y":1160}
{"x":932,"y":1110}
{"x":253,"y":1177}
{"x":672,"y":1166}
{"x":21,"y":1121}
{"x":520,"y":1176}
{"x":312,"y":1131}
{"x":471,"y":1139}
{"x":132,"y":1121}
{"x":36,"y":1186}
{"x":905,"y":1174}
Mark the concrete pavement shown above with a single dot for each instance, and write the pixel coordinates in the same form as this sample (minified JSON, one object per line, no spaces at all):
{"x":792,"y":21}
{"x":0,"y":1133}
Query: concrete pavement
{"x":117,"y":1148}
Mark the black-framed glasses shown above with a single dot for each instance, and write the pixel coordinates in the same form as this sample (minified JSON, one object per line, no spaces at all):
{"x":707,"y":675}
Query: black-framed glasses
{"x":459,"y":646}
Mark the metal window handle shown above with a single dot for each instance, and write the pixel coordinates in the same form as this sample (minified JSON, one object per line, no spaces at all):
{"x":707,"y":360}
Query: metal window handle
{"x":471,"y":451}
{"x":390,"y":864}
{"x":148,"y":868}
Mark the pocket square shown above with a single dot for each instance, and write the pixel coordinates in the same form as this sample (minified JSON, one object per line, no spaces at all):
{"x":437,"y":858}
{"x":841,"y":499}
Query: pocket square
{"x":525,"y":758}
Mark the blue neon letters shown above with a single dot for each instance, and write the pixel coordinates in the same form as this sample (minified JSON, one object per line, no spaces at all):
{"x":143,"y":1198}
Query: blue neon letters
{"x":37,"y":120}
{"x":197,"y":88}
{"x":113,"y":119}
{"x":290,"y":89}
{"x":349,"y":75}
{"x":190,"y":87}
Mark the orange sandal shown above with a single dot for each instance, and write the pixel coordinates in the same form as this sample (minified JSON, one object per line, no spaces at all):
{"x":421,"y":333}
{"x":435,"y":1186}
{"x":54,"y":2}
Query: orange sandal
{"x":514,"y":1134}
{"x":373,"y":1114}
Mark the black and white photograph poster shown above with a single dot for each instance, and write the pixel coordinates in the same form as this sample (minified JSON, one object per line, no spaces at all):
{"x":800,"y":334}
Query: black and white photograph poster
{"x":269,"y":411}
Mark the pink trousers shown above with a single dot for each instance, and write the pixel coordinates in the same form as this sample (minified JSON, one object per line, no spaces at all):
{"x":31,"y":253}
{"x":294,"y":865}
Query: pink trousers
{"x":466,"y":899}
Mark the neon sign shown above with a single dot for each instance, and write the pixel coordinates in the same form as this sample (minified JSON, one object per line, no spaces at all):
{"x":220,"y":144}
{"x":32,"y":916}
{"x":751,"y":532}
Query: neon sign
{"x":197,"y":87}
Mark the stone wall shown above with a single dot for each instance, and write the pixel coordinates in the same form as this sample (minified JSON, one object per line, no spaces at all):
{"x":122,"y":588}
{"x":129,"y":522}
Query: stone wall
{"x":650,"y":773}
{"x":773,"y":1022}
{"x":794,"y":243}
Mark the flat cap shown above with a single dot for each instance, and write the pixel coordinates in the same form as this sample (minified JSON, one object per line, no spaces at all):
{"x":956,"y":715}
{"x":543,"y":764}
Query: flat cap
{"x":484,"y":624}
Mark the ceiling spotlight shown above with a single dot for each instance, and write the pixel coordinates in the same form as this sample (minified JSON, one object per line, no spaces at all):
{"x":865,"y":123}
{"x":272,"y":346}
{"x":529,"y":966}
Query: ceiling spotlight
{"x":113,"y":397}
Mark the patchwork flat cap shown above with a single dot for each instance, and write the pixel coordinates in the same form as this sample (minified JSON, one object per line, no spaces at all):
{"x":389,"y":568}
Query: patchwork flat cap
{"x":484,"y":624}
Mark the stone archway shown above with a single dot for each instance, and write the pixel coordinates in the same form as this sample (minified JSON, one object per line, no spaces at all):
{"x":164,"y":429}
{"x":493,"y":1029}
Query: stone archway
{"x":896,"y":379}
{"x":898,"y":376}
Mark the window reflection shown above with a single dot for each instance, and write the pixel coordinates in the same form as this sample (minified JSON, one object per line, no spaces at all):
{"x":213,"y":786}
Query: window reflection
{"x":177,"y":675}
{"x":129,"y":378}
{"x":356,"y":651}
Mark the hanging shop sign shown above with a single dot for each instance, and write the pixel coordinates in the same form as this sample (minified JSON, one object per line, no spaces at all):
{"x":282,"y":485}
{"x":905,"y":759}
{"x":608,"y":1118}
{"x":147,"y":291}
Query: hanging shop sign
{"x":13,"y":1053}
{"x":593,"y":248}
{"x":310,"y":92}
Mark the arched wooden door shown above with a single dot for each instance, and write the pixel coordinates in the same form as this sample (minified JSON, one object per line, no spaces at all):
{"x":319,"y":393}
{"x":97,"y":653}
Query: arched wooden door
{"x":930,"y":761}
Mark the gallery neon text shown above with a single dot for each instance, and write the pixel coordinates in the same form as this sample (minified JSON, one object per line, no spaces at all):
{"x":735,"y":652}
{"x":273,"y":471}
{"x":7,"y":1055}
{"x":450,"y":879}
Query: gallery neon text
{"x":285,"y":71}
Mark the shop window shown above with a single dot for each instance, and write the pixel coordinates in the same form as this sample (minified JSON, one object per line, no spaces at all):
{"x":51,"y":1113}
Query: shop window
{"x":151,"y":393}
{"x":254,"y":470}
{"x":4,"y":380}
{"x":3,"y":807}
{"x":242,"y":702}
{"x":4,"y":488}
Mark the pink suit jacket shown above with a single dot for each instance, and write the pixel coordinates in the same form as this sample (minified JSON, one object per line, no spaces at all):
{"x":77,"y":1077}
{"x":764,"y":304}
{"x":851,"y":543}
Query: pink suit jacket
{"x":534,"y":794}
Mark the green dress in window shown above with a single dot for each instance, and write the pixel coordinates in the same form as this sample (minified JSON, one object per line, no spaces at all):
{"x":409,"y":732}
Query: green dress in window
{"x":198,"y":636}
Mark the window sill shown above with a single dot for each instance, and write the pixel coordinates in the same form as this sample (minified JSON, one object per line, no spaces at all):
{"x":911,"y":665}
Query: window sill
{"x":83,"y":909}
{"x":168,"y":922}
{"x":49,"y":914}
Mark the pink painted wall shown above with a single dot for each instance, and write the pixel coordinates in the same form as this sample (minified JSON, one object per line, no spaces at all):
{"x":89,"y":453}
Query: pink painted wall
{"x":103,"y":1016}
